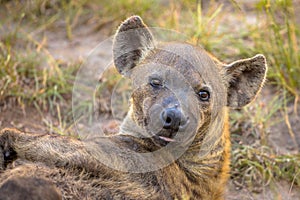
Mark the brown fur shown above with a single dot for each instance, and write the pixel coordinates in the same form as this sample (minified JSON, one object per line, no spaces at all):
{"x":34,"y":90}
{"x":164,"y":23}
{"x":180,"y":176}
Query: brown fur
{"x":201,"y":172}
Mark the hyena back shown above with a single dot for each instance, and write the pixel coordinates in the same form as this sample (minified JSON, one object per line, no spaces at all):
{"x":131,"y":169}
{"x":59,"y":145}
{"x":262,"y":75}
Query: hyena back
{"x":179,"y":103}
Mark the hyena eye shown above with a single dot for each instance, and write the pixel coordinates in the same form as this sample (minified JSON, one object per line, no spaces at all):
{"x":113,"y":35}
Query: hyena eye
{"x":156,"y":83}
{"x":204,"y":95}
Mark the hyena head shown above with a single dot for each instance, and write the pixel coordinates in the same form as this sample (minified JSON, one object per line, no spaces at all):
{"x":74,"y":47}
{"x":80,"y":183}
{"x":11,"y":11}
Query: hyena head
{"x":179,"y":91}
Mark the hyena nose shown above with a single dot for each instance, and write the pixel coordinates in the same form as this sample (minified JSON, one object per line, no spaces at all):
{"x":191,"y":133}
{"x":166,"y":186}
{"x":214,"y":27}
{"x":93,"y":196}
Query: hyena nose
{"x":172,"y":118}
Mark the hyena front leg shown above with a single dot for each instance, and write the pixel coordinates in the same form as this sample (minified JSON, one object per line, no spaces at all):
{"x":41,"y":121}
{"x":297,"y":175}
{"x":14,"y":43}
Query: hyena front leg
{"x":54,"y":150}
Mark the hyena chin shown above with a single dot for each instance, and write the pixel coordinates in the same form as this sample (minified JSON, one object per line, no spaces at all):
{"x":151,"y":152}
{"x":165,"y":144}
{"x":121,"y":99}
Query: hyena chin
{"x":174,"y":142}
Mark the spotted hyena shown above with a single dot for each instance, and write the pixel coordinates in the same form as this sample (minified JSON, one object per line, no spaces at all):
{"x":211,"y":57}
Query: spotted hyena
{"x":174,"y":142}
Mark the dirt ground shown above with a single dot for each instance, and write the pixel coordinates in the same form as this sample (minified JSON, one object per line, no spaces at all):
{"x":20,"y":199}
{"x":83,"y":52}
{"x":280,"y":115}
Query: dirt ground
{"x":85,"y":38}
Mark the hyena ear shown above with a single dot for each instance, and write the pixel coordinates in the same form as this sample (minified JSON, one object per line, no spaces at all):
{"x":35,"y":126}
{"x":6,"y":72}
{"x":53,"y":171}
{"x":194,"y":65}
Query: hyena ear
{"x":132,"y":41}
{"x":245,"y":79}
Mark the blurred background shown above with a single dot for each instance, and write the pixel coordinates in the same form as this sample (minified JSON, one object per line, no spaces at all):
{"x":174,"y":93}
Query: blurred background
{"x":44,"y":42}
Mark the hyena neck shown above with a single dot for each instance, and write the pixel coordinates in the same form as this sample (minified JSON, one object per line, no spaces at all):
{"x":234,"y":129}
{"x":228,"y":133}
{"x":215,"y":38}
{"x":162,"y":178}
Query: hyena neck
{"x":208,"y":147}
{"x":202,"y":156}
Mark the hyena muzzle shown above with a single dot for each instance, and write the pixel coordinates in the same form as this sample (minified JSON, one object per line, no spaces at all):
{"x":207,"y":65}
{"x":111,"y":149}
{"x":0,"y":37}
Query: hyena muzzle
{"x":174,"y":142}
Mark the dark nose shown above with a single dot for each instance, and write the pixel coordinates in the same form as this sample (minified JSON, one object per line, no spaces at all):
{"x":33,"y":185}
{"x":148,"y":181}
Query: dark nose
{"x":172,"y":118}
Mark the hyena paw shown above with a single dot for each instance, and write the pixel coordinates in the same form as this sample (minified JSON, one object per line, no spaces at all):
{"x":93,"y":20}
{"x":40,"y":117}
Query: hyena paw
{"x":7,"y":153}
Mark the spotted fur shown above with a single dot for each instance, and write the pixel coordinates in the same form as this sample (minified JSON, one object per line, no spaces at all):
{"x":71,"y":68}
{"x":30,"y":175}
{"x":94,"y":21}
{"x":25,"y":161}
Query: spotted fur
{"x":201,"y":172}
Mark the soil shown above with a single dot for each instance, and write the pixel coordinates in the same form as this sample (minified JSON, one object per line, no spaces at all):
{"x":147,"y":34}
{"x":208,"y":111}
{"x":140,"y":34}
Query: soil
{"x":85,"y":38}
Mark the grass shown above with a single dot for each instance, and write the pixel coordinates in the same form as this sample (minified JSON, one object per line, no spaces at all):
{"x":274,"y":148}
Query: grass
{"x":257,"y":118}
{"x":259,"y":167}
{"x":29,"y":78}
{"x":254,"y":163}
{"x":30,"y":75}
{"x":281,"y":43}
